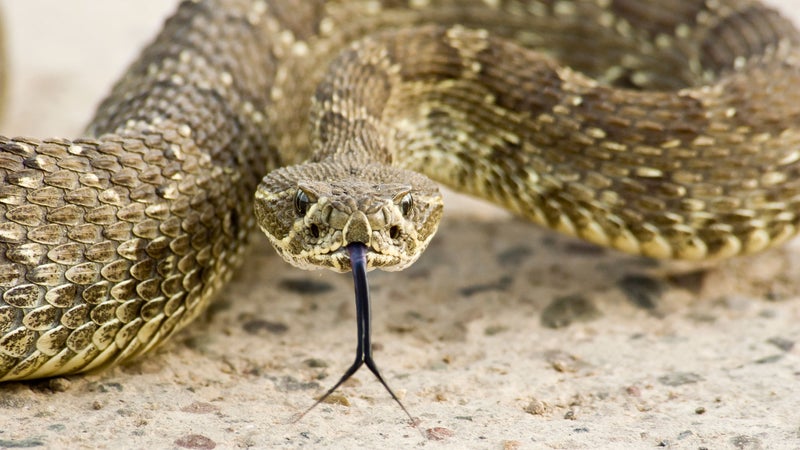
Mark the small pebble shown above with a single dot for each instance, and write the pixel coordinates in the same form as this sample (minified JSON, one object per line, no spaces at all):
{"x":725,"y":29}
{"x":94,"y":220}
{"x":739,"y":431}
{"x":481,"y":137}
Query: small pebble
{"x":337,"y":399}
{"x":700,"y":410}
{"x":59,"y":384}
{"x":438,"y":433}
{"x":197,"y":441}
{"x":633,"y":391}
{"x":536,"y":407}
{"x":564,"y":362}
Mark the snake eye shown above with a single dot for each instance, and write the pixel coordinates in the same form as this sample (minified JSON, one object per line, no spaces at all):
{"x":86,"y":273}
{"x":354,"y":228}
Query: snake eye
{"x":301,"y":203}
{"x":406,"y":203}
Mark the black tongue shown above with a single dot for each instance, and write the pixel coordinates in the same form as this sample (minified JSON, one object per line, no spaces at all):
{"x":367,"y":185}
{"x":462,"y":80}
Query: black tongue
{"x":358,"y":263}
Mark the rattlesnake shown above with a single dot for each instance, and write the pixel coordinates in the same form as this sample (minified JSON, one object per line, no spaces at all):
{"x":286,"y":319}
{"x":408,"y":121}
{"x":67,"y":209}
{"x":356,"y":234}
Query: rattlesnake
{"x":667,"y":129}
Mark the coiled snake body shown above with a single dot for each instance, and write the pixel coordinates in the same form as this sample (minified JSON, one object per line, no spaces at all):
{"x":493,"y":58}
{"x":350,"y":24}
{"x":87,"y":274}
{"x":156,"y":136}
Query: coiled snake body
{"x":668,"y":129}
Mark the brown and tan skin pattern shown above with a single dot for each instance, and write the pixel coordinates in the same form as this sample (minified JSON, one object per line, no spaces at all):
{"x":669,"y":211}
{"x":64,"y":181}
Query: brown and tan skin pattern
{"x":111,"y":243}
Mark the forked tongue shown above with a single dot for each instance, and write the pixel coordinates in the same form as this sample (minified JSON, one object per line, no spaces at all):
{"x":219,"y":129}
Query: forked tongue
{"x":358,"y":263}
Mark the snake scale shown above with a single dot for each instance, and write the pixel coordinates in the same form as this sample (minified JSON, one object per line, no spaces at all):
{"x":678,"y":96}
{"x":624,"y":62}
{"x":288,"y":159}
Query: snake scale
{"x":667,"y":129}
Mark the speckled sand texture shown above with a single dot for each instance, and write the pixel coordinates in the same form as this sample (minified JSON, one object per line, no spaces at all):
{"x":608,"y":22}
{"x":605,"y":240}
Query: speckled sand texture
{"x":502,"y":336}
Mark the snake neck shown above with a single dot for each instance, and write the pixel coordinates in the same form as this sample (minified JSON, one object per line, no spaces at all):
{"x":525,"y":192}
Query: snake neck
{"x":347,"y":110}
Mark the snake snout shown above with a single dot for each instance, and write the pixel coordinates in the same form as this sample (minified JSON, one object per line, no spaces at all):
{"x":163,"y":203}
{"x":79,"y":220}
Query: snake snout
{"x":357,"y":229}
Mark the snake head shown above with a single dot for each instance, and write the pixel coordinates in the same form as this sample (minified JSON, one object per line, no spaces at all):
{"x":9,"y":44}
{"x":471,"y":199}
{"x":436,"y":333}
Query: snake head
{"x":311,"y":212}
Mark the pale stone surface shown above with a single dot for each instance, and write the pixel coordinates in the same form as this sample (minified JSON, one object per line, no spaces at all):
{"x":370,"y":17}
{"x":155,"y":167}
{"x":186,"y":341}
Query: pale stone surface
{"x":653,"y":356}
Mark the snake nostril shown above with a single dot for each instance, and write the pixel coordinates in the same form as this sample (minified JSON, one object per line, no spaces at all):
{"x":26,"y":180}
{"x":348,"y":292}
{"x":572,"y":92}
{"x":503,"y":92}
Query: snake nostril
{"x":394,"y":232}
{"x":314,"y":230}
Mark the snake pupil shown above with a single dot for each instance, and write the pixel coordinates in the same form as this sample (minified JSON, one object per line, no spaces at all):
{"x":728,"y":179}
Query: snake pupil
{"x":301,"y":203}
{"x":406,"y":203}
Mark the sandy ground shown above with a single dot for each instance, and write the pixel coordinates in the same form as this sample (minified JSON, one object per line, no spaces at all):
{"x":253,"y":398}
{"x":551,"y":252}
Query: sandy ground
{"x":502,"y":336}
